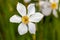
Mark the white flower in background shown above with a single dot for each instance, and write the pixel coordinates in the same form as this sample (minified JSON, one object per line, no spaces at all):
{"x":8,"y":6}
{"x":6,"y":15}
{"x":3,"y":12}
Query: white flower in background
{"x":47,"y":7}
{"x":27,"y":1}
{"x":27,"y":20}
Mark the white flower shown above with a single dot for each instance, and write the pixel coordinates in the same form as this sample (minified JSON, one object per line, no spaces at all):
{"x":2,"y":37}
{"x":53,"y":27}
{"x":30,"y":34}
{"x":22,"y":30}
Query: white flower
{"x":27,"y":1}
{"x":27,"y":19}
{"x":47,"y":7}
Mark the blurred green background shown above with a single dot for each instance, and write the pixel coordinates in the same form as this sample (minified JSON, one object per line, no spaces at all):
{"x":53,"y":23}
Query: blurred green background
{"x":47,"y":29}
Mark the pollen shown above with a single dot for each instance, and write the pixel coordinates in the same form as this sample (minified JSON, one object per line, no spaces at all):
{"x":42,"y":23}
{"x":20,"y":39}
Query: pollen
{"x":25,"y":19}
{"x":54,"y":5}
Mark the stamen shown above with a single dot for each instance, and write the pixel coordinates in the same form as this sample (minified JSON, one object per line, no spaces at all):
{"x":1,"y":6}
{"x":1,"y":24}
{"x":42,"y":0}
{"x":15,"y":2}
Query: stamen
{"x":54,"y":5}
{"x":25,"y":19}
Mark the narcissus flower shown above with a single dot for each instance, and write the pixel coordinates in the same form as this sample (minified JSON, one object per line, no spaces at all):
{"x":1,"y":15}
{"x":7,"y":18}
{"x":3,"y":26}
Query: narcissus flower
{"x":27,"y":20}
{"x":49,"y":6}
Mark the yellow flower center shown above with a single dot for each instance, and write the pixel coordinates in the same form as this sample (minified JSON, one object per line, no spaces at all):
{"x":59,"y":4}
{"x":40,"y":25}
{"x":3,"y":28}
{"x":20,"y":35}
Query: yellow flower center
{"x":53,"y":5}
{"x":25,"y":19}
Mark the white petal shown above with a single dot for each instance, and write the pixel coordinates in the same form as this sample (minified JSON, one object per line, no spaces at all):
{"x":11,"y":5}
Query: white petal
{"x":21,"y":9}
{"x":41,"y":3}
{"x":27,"y":1}
{"x":32,"y":28}
{"x":15,"y":19}
{"x":46,"y":4}
{"x":36,"y":17}
{"x":55,"y":13}
{"x":46,"y":9}
{"x":22,"y":29}
{"x":31,"y":9}
{"x":54,"y":1}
